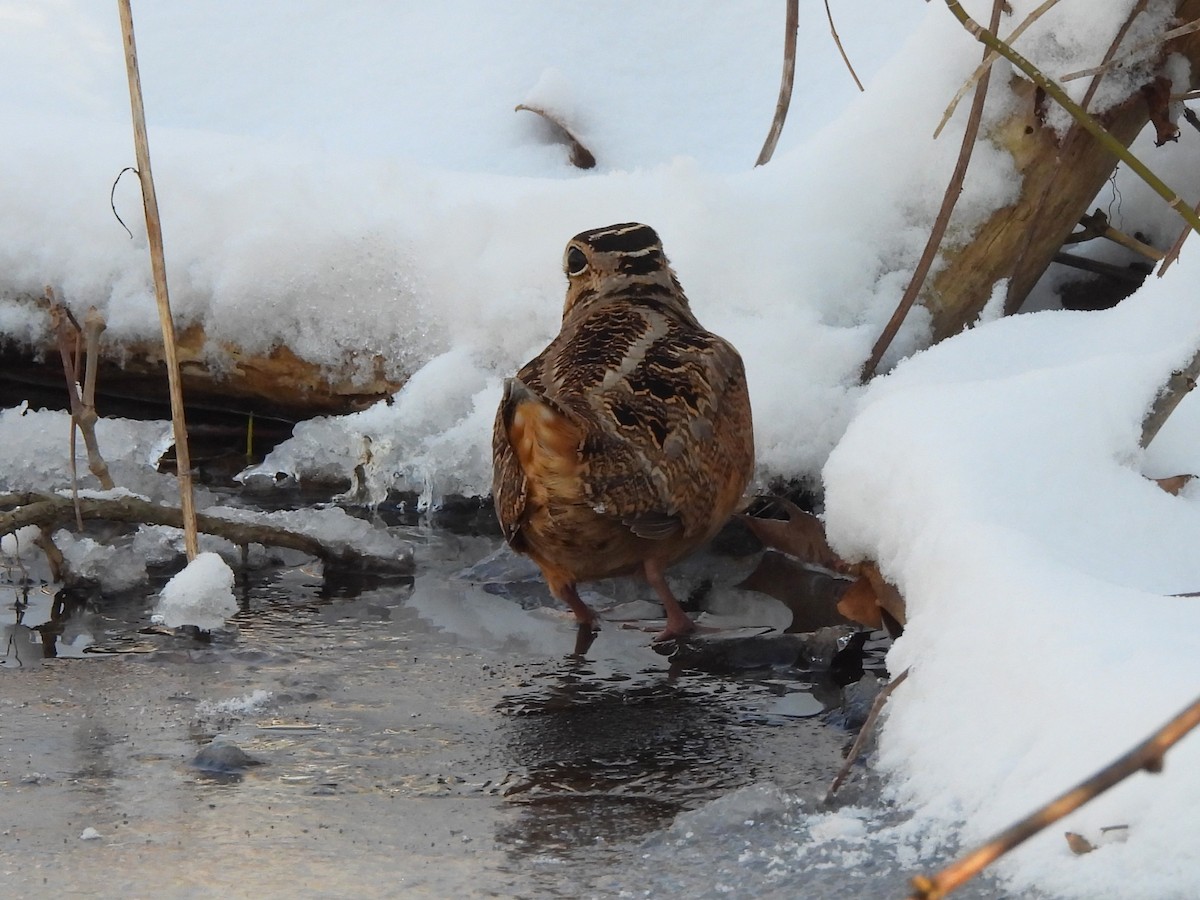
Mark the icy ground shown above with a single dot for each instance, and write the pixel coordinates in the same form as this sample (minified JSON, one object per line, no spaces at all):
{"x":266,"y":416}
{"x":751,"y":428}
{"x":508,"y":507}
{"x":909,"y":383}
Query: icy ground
{"x":354,"y":181}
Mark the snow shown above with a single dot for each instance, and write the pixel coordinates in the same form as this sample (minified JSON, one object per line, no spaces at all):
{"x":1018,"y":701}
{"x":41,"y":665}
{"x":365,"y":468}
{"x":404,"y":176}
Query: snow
{"x":354,"y":182}
{"x":200,"y":595}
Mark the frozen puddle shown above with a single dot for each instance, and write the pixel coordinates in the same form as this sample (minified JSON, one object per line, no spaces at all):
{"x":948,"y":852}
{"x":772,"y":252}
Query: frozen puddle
{"x":430,"y":735}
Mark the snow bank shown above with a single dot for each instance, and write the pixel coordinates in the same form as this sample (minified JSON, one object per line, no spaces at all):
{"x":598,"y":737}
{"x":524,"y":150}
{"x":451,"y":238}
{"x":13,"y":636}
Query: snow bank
{"x":997,"y":480}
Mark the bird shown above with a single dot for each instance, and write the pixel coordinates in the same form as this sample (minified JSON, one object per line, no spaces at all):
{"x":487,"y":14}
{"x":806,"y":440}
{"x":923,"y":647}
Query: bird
{"x":628,"y":441}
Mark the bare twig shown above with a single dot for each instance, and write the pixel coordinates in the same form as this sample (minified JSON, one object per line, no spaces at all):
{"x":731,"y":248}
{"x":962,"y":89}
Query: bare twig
{"x":1081,"y":116}
{"x":949,"y":199}
{"x":1097,"y":225}
{"x":1148,"y":755}
{"x":864,"y":733}
{"x":159,"y":267}
{"x":791,"y":24}
{"x":1134,"y":51}
{"x":986,"y":65}
{"x":82,"y":415}
{"x":1111,"y":52}
{"x":842,"y":50}
{"x":1173,"y":253}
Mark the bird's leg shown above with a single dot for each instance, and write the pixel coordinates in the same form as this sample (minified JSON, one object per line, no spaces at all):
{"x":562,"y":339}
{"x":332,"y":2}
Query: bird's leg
{"x":584,"y":614}
{"x":679,"y":623}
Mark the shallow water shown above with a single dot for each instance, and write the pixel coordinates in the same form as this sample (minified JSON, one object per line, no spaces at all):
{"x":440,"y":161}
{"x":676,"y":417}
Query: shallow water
{"x":425,"y":736}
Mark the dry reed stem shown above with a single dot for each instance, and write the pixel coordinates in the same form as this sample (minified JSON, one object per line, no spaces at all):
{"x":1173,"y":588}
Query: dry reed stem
{"x":791,"y":24}
{"x":842,"y":50}
{"x":1147,"y":45}
{"x":159,"y":267}
{"x":864,"y":733}
{"x":986,"y":65}
{"x":1147,"y":755}
{"x":949,"y":199}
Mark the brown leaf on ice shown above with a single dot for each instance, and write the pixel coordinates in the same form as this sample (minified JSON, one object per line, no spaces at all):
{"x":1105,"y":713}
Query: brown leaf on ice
{"x":800,"y":535}
{"x":1079,"y":844}
{"x":860,"y":604}
{"x":581,"y":156}
{"x":813,"y":596}
{"x":1157,"y":95}
{"x":887,"y":598}
{"x":1174,"y":484}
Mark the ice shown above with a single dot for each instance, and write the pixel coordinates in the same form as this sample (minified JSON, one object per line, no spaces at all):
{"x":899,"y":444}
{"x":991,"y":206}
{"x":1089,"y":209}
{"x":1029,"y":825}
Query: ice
{"x":113,"y":568}
{"x":200,"y":595}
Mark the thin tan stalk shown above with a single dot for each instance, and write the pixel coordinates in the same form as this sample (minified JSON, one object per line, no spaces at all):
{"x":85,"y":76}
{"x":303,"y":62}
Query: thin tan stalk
{"x":986,"y":65}
{"x":842,"y":50}
{"x":949,"y":199}
{"x":864,"y":733}
{"x":1111,"y":52}
{"x":1148,"y":755}
{"x":1134,"y":51}
{"x":791,"y":25}
{"x":1173,"y":253}
{"x":159,"y":267}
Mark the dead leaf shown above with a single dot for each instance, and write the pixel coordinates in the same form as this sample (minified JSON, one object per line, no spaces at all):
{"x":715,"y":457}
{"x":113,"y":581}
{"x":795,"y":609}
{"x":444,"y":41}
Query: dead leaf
{"x":1079,"y":844}
{"x":860,"y":604}
{"x":800,"y":535}
{"x":1174,"y":484}
{"x":581,"y":157}
{"x":889,"y":599}
{"x":1157,"y":95}
{"x":812,"y":595}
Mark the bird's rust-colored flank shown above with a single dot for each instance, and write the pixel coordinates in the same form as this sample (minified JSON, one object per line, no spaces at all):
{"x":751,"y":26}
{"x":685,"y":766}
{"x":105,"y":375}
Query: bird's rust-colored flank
{"x":627,"y":442}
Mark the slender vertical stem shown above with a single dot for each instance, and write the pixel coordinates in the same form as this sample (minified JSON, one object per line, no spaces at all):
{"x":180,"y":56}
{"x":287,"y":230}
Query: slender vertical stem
{"x":785,"y":87}
{"x":953,"y":189}
{"x":159,"y":267}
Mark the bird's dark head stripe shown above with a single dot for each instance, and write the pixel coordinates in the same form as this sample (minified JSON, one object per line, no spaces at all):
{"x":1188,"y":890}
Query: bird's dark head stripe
{"x":627,"y":238}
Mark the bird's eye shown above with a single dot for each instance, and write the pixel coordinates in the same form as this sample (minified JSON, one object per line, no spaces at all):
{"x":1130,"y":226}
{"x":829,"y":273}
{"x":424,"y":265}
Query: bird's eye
{"x":576,"y":262}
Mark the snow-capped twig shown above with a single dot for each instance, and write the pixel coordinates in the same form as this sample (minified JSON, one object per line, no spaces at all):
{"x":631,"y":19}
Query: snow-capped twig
{"x":1178,"y":386}
{"x":949,"y":199}
{"x":1147,"y":756}
{"x":50,"y":510}
{"x":581,"y":156}
{"x":1137,"y":10}
{"x":791,"y":25}
{"x":159,"y":266}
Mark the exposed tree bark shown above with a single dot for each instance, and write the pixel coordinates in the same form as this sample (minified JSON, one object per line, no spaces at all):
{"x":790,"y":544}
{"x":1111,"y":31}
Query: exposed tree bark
{"x":1060,"y":179}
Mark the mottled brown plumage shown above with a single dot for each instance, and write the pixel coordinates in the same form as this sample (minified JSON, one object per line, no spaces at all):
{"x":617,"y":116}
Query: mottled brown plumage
{"x":627,"y":442}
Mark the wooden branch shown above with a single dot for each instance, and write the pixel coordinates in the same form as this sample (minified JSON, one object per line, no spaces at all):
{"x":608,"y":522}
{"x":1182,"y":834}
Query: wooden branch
{"x":1121,"y":273}
{"x":1061,"y":173}
{"x":864,"y":733}
{"x":1097,"y":225}
{"x":51,"y":510}
{"x":159,"y":266}
{"x":1081,"y":116}
{"x":949,"y":199}
{"x":1148,"y":756}
{"x":791,"y":25}
{"x":842,"y":50}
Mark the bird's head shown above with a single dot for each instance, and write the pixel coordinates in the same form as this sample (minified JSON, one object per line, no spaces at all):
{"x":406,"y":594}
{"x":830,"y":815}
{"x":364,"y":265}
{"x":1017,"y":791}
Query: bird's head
{"x":613,"y":259}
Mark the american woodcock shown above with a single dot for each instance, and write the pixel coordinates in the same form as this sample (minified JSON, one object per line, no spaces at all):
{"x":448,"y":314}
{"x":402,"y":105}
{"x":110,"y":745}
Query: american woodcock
{"x":627,"y":442}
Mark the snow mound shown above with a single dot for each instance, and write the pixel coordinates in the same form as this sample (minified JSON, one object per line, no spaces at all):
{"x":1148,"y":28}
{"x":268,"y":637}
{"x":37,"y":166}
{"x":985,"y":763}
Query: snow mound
{"x":200,"y":595}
